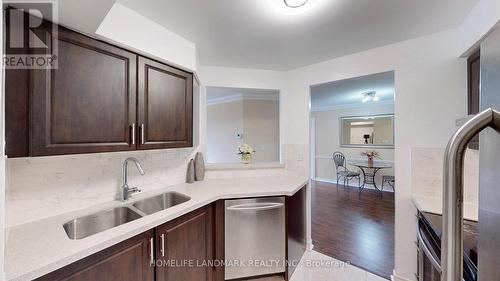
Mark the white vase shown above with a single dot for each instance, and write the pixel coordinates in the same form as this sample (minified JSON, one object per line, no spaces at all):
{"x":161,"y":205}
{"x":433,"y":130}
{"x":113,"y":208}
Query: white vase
{"x":246,"y":158}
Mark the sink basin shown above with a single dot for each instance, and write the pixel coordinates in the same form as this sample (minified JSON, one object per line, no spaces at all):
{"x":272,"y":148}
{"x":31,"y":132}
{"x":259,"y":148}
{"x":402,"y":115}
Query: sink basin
{"x":88,"y":225}
{"x":160,"y":202}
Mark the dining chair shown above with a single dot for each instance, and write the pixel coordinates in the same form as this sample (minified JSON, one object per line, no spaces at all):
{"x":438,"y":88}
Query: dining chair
{"x":390,"y":180}
{"x":342,"y":171}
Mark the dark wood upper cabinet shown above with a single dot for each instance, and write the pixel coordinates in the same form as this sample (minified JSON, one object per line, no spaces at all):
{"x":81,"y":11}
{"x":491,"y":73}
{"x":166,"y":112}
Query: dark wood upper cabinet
{"x":473,"y":90}
{"x":125,"y":261}
{"x":187,"y":239}
{"x":165,"y":106}
{"x":92,"y":103}
{"x":87,"y":104}
{"x":473,"y":82}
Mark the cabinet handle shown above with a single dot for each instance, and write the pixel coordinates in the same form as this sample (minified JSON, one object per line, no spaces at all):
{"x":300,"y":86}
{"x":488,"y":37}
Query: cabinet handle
{"x":163,"y":245}
{"x":133,"y":133}
{"x":151,"y":251}
{"x":143,"y":128}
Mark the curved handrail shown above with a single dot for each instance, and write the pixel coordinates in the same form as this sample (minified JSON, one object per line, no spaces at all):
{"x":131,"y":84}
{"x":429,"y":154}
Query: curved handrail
{"x":452,"y":239}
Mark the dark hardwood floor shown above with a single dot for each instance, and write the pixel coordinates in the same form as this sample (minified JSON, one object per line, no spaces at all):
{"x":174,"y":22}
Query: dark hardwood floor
{"x":354,"y":228}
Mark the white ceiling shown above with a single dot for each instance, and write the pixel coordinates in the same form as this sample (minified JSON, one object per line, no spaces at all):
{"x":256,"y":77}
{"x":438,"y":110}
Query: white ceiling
{"x":260,"y":33}
{"x":345,"y":93}
{"x":84,"y":16}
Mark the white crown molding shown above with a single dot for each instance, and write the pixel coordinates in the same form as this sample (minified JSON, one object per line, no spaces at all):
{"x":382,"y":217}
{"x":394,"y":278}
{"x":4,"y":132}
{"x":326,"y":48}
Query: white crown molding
{"x":226,"y":99}
{"x":352,"y":105}
{"x":260,"y":97}
{"x":240,"y":97}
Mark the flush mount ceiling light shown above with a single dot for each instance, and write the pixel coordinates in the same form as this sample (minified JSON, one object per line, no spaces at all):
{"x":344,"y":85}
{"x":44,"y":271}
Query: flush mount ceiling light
{"x":369,"y":96}
{"x":291,"y":7}
{"x":295,"y":3}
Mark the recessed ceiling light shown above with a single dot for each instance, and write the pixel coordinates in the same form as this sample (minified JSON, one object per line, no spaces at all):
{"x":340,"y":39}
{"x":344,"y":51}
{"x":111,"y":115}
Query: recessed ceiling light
{"x":295,"y":3}
{"x":369,"y":96}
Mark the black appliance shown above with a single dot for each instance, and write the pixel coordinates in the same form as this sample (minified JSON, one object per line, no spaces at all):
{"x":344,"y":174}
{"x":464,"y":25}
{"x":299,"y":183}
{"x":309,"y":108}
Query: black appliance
{"x":429,"y":242}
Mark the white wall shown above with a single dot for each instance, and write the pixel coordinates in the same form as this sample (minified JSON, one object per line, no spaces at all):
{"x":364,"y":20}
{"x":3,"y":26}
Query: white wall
{"x":480,"y":20}
{"x":293,"y":153}
{"x":430,"y":85}
{"x":256,"y":119}
{"x":224,"y":121}
{"x":328,"y":140}
{"x":428,"y":75}
{"x":261,"y":128}
{"x":214,"y":76}
{"x":126,"y":27}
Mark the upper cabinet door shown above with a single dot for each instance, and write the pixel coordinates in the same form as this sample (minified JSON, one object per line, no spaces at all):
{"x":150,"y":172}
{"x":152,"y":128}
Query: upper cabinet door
{"x":165,"y":106}
{"x":473,"y":83}
{"x":87,"y":104}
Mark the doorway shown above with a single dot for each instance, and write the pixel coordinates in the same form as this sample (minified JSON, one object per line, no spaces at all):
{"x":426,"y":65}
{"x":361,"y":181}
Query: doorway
{"x":352,"y":197}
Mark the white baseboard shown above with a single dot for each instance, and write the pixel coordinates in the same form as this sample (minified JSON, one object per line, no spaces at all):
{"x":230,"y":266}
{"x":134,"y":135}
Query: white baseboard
{"x":310,"y":245}
{"x":367,"y":186}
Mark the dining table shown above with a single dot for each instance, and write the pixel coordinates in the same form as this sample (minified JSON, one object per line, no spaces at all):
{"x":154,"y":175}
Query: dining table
{"x":369,"y":171}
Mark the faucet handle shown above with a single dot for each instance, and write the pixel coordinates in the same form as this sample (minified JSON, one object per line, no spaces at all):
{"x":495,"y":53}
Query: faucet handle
{"x":135,"y":189}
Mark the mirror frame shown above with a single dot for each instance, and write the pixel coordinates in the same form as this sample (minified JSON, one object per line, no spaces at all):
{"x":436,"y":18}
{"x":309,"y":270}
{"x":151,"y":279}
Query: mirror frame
{"x":380,"y":146}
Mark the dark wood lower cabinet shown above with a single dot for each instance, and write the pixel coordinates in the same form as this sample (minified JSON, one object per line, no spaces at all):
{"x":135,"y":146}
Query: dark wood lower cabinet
{"x":186,"y":247}
{"x":126,"y":261}
{"x":296,"y":228}
{"x":220,"y":251}
{"x":182,"y":251}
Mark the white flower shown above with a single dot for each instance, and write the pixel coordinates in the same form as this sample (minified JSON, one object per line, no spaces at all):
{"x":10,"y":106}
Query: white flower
{"x":245,"y":149}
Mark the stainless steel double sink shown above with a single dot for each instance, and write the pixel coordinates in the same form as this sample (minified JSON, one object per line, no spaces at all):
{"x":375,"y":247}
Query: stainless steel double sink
{"x":88,"y":225}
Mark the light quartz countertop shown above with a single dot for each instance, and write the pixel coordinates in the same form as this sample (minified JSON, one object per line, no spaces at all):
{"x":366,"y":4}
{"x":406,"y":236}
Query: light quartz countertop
{"x":435,"y":205}
{"x":37,"y":248}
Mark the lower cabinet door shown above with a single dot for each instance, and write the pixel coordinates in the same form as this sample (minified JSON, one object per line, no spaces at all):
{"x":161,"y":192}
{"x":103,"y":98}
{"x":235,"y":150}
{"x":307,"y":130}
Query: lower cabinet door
{"x":296,"y":228}
{"x":185,"y":247}
{"x":126,"y":261}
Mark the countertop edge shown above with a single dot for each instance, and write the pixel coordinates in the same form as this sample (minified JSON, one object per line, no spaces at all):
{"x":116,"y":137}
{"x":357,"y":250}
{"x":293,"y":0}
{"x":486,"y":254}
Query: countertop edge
{"x":36,"y":272}
{"x":434,"y":205}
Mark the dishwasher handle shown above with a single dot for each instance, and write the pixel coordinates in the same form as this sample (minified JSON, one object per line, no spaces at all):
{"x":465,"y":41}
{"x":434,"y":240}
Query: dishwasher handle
{"x":255,"y":207}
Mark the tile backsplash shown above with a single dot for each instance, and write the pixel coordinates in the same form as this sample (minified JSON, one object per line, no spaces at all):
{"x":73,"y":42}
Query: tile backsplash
{"x":42,"y":187}
{"x":427,"y":173}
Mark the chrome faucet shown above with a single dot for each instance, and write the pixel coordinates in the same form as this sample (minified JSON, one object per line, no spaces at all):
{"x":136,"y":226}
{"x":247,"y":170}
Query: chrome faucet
{"x":125,"y":189}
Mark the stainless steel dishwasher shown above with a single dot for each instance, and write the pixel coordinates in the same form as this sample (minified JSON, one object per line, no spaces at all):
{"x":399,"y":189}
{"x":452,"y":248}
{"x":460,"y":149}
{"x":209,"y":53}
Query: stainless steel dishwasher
{"x":254,"y":237}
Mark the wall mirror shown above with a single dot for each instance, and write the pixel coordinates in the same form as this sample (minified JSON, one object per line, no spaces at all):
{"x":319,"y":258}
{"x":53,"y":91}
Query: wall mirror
{"x":367,"y":131}
{"x":237,"y":116}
